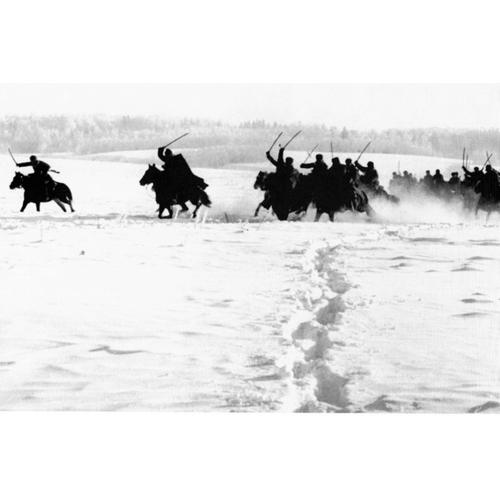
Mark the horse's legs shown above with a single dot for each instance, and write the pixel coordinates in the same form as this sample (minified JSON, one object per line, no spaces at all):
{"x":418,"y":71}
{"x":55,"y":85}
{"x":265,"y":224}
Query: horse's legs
{"x":331,"y":215}
{"x":257,"y":209}
{"x":161,"y":208}
{"x":70,"y":203}
{"x":25,"y":204}
{"x":195,"y":213}
{"x":318,"y":216}
{"x":38,"y":206}
{"x":60,"y":204}
{"x":184,"y":207}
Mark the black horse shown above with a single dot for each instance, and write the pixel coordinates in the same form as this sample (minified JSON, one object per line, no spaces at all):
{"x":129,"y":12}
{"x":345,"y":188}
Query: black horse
{"x":34,"y":191}
{"x":284,"y":195}
{"x":332,"y":197}
{"x":168,"y":193}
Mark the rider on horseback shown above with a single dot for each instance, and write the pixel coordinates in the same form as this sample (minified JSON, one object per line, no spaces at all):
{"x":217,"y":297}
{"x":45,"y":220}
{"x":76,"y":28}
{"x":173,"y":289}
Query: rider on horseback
{"x":285,"y":170}
{"x":472,"y":178}
{"x":319,"y":172}
{"x":41,"y":174}
{"x":370,"y":175}
{"x":351,"y":176}
{"x":489,"y":185}
{"x":180,"y":175}
{"x":319,"y":167}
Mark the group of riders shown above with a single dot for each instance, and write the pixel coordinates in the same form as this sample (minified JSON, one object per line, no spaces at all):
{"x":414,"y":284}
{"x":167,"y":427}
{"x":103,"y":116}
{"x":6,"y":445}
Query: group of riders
{"x":479,"y":187}
{"x":330,"y":188}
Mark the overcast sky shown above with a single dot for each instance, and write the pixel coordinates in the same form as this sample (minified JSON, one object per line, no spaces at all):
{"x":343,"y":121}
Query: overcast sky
{"x":358,"y":106}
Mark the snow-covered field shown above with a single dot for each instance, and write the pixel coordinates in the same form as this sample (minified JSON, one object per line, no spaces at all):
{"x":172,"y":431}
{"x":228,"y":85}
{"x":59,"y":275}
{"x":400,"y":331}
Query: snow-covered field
{"x":110,"y":308}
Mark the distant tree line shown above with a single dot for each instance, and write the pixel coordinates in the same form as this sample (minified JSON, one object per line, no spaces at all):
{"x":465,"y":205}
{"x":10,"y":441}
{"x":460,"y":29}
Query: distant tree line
{"x":220,"y":143}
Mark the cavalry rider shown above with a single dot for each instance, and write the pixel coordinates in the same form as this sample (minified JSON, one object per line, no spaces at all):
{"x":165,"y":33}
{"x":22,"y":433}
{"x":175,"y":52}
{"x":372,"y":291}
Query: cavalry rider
{"x":351,"y":173}
{"x":180,"y":174}
{"x":472,"y":178}
{"x":178,"y":166}
{"x":454,"y":182}
{"x":41,"y":173}
{"x":319,"y":169}
{"x":427,"y":180}
{"x":337,"y":171}
{"x":370,"y":175}
{"x":489,"y":184}
{"x":284,"y":167}
{"x":438,"y":180}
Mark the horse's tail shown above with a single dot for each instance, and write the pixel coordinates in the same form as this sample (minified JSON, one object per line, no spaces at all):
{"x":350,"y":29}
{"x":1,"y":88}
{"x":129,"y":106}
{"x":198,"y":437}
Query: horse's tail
{"x":63,"y":191}
{"x":205,"y":200}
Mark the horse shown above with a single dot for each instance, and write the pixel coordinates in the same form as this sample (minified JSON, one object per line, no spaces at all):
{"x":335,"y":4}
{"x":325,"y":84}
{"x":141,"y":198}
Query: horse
{"x":334,"y":197}
{"x":166,"y":191}
{"x":262,"y":183}
{"x":488,"y":205}
{"x":489,"y":195}
{"x":284,"y":195}
{"x":34,"y":192}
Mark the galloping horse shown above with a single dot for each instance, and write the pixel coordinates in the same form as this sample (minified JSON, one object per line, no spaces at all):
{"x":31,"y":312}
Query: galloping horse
{"x":166,"y":191}
{"x":35,"y":193}
{"x":488,"y":202}
{"x":333,"y":198}
{"x":282,"y":195}
{"x":488,"y":189}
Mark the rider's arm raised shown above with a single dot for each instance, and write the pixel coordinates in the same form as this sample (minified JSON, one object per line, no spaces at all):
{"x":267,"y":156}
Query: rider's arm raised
{"x":271,"y":159}
{"x":161,"y":153}
{"x":280,"y":156}
{"x":360,"y":167}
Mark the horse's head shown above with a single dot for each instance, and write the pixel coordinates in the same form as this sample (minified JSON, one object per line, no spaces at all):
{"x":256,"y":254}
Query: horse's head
{"x":17,"y":181}
{"x":150,"y":175}
{"x":261,"y":181}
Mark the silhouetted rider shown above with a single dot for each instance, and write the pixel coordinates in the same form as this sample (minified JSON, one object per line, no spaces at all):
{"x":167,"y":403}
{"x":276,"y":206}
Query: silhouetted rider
{"x":489,"y":184}
{"x":286,"y":175}
{"x":180,"y":174}
{"x":41,"y":173}
{"x":283,"y":166}
{"x":438,"y":180}
{"x":370,"y":174}
{"x":179,"y":168}
{"x":427,"y":180}
{"x":351,"y":173}
{"x":472,"y":178}
{"x":319,"y":167}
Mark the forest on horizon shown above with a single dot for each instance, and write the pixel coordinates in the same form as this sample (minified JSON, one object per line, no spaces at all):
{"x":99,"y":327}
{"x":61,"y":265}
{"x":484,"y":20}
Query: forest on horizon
{"x":221,"y":143}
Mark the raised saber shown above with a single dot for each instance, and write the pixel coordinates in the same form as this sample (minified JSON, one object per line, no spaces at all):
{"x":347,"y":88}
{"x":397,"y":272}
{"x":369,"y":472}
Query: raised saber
{"x":488,"y":158}
{"x":175,"y":140}
{"x":364,"y":149}
{"x":331,"y":149}
{"x":310,"y":153}
{"x":12,"y":156}
{"x":293,"y":137}
{"x":275,"y":141}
